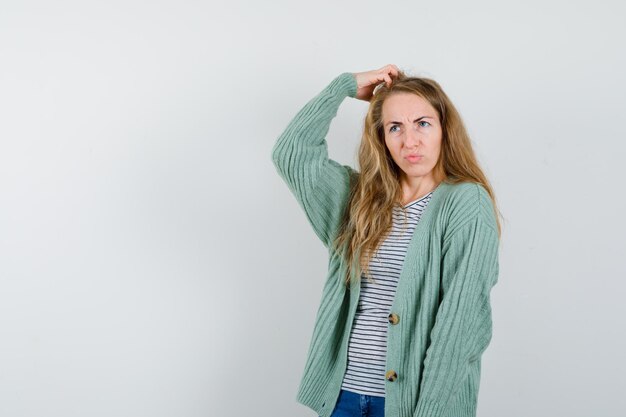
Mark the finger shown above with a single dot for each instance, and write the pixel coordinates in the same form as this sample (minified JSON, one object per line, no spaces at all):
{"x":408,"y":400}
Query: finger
{"x":386,"y":69}
{"x":393,"y":70}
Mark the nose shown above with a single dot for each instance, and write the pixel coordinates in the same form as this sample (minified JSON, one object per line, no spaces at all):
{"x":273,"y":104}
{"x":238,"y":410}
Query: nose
{"x":412,"y":138}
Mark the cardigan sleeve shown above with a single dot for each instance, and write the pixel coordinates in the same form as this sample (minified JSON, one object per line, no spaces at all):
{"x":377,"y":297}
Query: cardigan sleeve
{"x":463,"y":325}
{"x":320,"y":185}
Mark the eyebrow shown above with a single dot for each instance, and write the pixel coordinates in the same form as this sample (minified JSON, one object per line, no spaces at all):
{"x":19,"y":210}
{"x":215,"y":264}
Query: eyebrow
{"x":416,"y":120}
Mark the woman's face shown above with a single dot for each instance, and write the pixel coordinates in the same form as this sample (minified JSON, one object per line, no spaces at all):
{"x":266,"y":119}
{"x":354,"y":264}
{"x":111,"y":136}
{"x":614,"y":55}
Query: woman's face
{"x":412,"y":128}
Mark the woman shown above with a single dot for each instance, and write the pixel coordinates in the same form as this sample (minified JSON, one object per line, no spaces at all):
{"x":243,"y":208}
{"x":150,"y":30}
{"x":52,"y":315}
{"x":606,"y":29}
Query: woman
{"x":417,"y":222}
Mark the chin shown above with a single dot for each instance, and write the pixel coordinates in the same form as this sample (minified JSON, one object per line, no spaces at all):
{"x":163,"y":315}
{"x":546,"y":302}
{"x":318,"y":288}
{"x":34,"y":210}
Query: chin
{"x":415,"y":173}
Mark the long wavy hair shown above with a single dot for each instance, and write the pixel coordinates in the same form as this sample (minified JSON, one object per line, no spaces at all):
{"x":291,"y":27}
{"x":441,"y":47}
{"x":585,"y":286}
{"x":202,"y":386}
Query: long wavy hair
{"x":368,"y":216}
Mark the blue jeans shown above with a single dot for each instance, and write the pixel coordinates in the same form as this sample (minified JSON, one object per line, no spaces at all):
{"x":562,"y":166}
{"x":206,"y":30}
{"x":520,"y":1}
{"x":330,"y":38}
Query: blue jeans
{"x":352,"y":404}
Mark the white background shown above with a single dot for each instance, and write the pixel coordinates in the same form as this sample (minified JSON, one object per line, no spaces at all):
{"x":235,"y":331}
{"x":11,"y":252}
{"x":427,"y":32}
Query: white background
{"x":153,"y":263}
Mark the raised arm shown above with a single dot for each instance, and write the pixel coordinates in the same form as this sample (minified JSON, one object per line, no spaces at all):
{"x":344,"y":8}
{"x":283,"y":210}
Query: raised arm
{"x":300,"y":155}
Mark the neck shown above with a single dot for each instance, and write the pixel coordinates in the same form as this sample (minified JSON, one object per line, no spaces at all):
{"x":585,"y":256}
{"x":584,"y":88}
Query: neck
{"x":416,"y":187}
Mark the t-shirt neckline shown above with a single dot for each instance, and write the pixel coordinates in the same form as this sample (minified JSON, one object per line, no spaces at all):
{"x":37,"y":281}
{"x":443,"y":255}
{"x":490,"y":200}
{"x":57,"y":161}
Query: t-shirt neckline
{"x":419,"y":199}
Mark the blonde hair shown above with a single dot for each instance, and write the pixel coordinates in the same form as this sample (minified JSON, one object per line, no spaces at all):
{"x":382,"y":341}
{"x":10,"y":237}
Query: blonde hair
{"x":368,"y":216}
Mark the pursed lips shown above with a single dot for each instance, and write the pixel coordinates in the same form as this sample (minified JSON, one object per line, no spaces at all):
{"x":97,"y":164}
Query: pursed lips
{"x":414,"y":158}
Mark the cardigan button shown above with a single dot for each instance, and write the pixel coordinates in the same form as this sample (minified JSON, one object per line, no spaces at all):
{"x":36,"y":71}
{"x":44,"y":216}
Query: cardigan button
{"x":394,"y":318}
{"x":391,"y":375}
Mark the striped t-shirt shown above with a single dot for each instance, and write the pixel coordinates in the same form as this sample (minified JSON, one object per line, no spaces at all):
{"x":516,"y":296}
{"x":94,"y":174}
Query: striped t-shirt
{"x":367,"y":349}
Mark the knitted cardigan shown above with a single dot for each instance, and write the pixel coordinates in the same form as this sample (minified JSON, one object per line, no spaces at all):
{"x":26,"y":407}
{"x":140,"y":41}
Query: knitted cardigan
{"x":443,"y":293}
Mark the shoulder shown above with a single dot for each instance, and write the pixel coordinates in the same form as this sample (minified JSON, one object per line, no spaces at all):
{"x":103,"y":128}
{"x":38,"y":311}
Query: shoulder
{"x":468,"y":194}
{"x":465,"y":202}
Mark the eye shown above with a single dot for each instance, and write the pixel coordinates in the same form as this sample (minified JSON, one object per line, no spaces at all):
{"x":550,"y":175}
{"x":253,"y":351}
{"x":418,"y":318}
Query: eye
{"x":391,"y":128}
{"x":423,"y":121}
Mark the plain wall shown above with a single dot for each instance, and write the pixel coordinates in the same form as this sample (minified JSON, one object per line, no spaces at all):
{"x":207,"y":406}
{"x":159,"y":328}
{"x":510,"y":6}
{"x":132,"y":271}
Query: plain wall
{"x":153,"y":263}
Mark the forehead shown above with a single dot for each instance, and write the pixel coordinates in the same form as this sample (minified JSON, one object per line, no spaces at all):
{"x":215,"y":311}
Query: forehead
{"x":406,"y":105}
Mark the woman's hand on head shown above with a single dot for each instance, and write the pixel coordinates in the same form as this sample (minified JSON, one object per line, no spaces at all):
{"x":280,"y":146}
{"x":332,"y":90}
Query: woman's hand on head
{"x":368,"y":80}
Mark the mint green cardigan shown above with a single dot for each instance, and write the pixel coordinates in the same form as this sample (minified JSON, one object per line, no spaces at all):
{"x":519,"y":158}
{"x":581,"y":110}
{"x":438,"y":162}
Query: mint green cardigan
{"x":443,"y":293}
